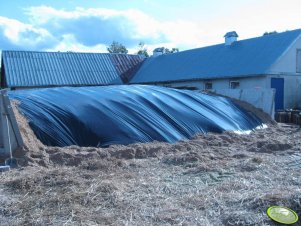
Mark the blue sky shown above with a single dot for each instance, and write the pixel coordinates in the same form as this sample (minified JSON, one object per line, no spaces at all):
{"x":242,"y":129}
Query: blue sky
{"x":91,"y":25}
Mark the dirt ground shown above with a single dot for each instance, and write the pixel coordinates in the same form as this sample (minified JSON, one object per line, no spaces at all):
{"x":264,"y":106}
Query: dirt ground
{"x":212,"y":179}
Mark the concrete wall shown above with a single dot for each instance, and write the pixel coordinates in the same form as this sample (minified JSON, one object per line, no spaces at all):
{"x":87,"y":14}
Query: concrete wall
{"x":258,"y":97}
{"x":292,"y":86}
{"x":254,"y":90}
{"x":287,"y":63}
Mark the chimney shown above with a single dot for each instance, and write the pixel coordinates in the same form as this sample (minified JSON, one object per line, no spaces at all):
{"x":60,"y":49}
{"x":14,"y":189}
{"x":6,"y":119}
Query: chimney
{"x":230,"y":37}
{"x":158,"y":51}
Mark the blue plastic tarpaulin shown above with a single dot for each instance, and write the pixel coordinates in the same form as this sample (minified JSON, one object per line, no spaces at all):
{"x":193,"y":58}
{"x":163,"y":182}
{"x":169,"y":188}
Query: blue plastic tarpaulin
{"x":124,"y":114}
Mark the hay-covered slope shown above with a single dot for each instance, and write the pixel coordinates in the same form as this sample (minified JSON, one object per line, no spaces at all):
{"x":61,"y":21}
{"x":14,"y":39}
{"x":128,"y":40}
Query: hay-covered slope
{"x":217,"y":179}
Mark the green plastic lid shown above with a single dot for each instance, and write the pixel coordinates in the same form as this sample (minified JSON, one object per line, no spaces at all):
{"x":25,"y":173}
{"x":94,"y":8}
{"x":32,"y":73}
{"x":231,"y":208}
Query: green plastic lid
{"x":282,"y":214}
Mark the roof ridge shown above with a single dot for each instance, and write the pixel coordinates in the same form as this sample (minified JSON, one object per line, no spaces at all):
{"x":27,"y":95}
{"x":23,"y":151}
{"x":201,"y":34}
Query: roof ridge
{"x":67,"y":52}
{"x":243,"y":40}
{"x":253,"y":56}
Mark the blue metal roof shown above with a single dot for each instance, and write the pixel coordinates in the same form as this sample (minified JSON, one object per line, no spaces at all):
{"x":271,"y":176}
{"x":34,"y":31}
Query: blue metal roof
{"x":243,"y":58}
{"x":40,"y":69}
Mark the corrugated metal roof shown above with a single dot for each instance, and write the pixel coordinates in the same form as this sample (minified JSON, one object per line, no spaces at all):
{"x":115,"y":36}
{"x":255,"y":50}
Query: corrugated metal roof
{"x":243,"y":58}
{"x":126,"y":65}
{"x":40,"y":69}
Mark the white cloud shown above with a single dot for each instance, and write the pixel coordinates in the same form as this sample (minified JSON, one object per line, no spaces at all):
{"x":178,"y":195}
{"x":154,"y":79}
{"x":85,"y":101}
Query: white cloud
{"x":69,"y":43}
{"x":131,"y":26}
{"x":19,"y":33}
{"x":92,"y":29}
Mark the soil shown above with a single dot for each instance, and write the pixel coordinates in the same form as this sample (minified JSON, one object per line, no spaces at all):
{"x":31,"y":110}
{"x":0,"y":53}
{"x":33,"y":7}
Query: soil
{"x":212,"y":179}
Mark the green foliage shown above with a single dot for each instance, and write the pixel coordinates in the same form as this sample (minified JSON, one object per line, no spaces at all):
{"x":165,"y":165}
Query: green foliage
{"x":142,"y":50}
{"x":168,"y":51}
{"x":117,"y":47}
{"x":269,"y":33}
{"x":165,"y":50}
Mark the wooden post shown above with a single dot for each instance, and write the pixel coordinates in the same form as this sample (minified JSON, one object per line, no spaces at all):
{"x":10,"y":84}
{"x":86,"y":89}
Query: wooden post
{"x":10,"y":136}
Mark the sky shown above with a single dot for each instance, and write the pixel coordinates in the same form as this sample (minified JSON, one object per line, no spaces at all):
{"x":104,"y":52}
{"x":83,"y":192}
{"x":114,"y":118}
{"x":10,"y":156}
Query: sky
{"x":92,"y":25}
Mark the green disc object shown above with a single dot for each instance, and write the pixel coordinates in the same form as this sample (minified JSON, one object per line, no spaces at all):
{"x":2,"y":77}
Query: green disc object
{"x":282,"y":214}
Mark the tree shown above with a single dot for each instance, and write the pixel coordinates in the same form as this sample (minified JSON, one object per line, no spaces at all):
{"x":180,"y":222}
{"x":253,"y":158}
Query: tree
{"x":142,"y":50}
{"x":117,"y":47}
{"x":173,"y":50}
{"x":270,"y":33}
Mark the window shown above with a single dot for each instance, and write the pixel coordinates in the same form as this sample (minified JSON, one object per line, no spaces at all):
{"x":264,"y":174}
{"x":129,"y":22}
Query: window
{"x":298,"y":68}
{"x":234,"y":84}
{"x":208,"y":85}
{"x":185,"y":87}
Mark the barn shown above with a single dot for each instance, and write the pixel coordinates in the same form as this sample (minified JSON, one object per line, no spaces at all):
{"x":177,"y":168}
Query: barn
{"x":269,"y":61}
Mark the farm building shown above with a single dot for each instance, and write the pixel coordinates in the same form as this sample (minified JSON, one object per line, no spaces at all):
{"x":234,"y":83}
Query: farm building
{"x":26,"y":69}
{"x":269,"y":61}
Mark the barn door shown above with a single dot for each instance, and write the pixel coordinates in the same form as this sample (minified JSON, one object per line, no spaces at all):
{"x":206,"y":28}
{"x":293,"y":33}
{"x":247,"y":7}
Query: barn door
{"x":278,"y":85}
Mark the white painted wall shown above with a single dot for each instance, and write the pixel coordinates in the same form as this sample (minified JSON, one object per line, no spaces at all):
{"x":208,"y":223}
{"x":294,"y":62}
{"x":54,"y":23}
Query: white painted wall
{"x":285,"y":68}
{"x":292,"y":90}
{"x":286,"y":64}
{"x":292,"y":86}
{"x":245,"y":83}
{"x":254,"y":90}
